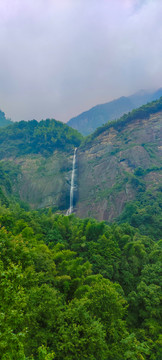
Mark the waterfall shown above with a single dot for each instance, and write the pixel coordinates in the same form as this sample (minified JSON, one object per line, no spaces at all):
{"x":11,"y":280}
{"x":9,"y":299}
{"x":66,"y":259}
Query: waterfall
{"x":70,"y":210}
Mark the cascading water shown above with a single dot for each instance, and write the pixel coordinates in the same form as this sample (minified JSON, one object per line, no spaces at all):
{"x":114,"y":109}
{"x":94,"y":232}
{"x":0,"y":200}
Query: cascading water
{"x":70,"y":210}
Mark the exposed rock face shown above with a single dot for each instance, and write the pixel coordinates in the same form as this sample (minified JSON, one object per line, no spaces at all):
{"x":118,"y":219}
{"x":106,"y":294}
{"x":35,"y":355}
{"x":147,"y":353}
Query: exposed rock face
{"x":108,"y":165}
{"x":113,"y":167}
{"x":37,"y":159}
{"x":42,"y":182}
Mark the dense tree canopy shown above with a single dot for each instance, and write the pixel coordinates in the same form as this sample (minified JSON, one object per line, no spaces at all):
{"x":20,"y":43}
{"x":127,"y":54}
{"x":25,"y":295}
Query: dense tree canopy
{"x":77,"y":289}
{"x":26,"y":137}
{"x":3,"y":121}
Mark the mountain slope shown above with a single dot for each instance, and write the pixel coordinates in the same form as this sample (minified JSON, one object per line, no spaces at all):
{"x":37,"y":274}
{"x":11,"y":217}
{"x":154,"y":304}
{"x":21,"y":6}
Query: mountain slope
{"x":120,"y":162}
{"x":32,"y":137}
{"x":36,"y":157}
{"x":89,"y":120}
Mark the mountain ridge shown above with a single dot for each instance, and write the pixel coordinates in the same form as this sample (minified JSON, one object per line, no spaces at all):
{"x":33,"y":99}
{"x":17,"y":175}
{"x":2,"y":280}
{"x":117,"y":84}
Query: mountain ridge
{"x":25,"y":137}
{"x":116,"y":165}
{"x":89,"y":120}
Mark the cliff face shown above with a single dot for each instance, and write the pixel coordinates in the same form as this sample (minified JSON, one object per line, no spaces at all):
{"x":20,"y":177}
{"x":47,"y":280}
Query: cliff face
{"x":36,"y":158}
{"x":117,"y":165}
{"x":40,"y":181}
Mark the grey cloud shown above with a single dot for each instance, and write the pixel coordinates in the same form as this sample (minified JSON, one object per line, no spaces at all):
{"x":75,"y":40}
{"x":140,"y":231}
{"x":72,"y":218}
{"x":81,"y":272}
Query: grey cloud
{"x":60,"y":58}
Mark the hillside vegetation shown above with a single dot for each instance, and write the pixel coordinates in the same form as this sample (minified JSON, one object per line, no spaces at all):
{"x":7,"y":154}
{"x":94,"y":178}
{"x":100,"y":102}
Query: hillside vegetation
{"x":143,"y":112}
{"x":32,"y":137}
{"x":36,"y":162}
{"x":77,"y":289}
{"x":121,"y":163}
{"x":3,"y":121}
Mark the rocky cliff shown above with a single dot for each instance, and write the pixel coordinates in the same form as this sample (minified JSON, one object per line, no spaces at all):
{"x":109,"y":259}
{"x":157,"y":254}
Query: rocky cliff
{"x":36,"y":162}
{"x":118,"y":165}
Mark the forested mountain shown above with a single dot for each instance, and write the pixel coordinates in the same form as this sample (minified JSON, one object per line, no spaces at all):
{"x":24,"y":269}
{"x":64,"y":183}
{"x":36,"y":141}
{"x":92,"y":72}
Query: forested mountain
{"x":75,"y":288}
{"x":88,"y":121}
{"x":32,"y":137}
{"x":3,"y":121}
{"x":35,"y":162}
{"x":116,"y":165}
{"x":121,"y":163}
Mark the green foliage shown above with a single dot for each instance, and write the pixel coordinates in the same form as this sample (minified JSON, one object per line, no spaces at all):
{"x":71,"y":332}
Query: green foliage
{"x":77,"y":289}
{"x":9,"y":173}
{"x":31,"y":137}
{"x":3,"y":121}
{"x":145,"y":213}
{"x":72,"y":288}
{"x":80,"y":336}
{"x":13,"y":303}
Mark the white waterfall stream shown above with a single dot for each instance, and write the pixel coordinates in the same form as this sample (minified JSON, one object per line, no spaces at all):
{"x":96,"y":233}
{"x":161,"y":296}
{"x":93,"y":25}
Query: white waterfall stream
{"x":70,"y":210}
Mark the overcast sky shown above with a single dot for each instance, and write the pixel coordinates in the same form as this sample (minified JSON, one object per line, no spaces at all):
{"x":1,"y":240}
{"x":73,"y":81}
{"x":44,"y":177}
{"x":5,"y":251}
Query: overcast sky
{"x":58,"y":58}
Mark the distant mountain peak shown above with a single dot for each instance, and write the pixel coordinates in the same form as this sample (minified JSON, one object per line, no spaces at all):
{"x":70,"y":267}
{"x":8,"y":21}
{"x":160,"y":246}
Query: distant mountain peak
{"x":88,"y":121}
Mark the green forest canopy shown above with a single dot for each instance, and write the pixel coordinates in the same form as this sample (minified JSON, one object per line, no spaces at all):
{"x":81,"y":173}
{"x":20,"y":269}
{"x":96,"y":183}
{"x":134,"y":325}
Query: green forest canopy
{"x":77,"y":289}
{"x":3,"y":121}
{"x":26,"y":137}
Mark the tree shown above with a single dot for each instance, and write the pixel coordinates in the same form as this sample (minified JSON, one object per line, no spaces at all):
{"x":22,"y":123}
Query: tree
{"x":13,"y":302}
